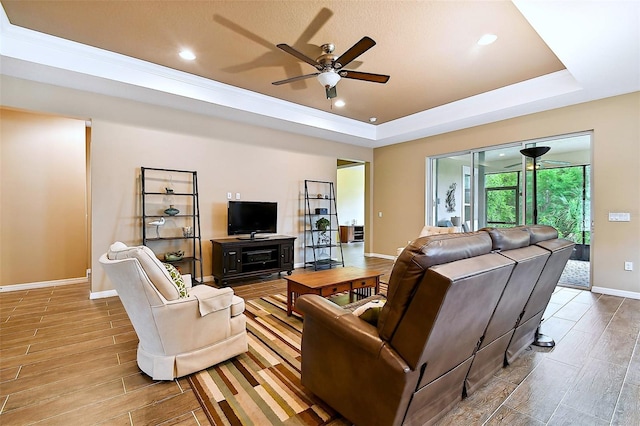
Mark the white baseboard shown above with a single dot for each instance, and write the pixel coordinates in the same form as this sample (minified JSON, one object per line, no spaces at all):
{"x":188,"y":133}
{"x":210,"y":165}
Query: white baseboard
{"x":102,"y":294}
{"x":43,"y":284}
{"x":614,"y":292}
{"x":382,"y":256}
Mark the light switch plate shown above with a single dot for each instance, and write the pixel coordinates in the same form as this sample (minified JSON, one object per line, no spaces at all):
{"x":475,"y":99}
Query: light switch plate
{"x":619,"y":217}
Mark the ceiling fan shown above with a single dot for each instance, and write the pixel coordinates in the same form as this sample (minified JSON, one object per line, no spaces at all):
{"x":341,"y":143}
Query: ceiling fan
{"x":543,"y":163}
{"x":331,"y":67}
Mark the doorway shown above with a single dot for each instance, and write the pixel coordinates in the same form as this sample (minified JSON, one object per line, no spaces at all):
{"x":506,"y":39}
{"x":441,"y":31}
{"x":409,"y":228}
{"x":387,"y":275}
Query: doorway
{"x":350,"y":193}
{"x":45,"y":172}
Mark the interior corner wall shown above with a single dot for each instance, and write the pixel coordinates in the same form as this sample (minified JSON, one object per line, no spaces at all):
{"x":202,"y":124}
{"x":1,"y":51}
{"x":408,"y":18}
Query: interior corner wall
{"x":615,"y":123}
{"x":43,"y":226}
{"x":261,"y":164}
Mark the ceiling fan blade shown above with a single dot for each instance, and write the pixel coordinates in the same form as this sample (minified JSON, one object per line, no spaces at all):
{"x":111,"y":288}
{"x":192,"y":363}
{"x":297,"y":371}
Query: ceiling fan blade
{"x":292,"y":79}
{"x":512,"y":165}
{"x":556,"y":162}
{"x":356,"y":50}
{"x":290,"y":50}
{"x":366,"y":76}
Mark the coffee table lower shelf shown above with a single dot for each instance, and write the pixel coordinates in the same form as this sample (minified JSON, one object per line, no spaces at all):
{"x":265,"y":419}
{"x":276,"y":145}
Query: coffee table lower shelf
{"x":326,"y":283}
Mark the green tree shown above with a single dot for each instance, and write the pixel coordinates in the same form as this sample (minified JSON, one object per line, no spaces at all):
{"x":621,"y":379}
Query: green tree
{"x":561,"y":200}
{"x":501,"y":198}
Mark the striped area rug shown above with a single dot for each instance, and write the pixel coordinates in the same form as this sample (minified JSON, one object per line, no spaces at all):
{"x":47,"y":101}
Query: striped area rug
{"x":262,"y":386}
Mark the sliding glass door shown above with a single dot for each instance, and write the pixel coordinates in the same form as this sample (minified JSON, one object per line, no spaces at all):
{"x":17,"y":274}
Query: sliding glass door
{"x":494,"y":187}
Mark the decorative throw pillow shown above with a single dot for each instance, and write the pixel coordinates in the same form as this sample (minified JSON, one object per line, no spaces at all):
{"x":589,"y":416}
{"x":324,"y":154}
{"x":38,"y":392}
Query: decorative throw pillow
{"x":177,"y":280}
{"x":370,"y":311}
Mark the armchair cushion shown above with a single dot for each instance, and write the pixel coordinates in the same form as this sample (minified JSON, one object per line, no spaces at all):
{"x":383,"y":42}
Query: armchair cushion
{"x":151,"y":265}
{"x":237,"y":306}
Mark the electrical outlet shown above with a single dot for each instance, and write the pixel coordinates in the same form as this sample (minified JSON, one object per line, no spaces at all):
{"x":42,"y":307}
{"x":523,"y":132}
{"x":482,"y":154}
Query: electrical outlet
{"x":237,"y":195}
{"x":628,"y":266}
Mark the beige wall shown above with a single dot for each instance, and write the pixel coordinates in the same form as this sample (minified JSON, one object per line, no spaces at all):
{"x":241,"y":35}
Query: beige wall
{"x":261,"y":164}
{"x":241,"y":158}
{"x":399,"y":179}
{"x":43,"y":225}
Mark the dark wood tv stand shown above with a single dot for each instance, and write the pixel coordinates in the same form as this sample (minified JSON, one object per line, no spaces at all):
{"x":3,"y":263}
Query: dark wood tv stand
{"x":235,"y":258}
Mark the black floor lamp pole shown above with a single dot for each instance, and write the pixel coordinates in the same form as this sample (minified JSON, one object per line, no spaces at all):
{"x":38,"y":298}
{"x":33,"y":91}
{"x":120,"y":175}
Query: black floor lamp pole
{"x":534,"y":153}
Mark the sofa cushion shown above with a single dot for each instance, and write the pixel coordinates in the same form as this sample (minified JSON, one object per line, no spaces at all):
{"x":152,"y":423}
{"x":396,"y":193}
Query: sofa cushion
{"x":539,"y":233}
{"x":151,"y":265}
{"x":508,"y":238}
{"x":412,"y":263}
{"x":177,"y":280}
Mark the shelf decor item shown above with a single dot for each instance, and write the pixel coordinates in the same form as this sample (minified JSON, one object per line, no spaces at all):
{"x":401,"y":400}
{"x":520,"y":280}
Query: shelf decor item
{"x":172,"y":211}
{"x":157,"y":223}
{"x":323,"y":224}
{"x":174,"y":256}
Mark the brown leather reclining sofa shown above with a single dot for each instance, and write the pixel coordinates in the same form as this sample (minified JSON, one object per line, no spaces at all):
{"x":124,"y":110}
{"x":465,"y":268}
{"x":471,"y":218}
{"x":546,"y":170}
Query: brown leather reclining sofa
{"x":459,"y":307}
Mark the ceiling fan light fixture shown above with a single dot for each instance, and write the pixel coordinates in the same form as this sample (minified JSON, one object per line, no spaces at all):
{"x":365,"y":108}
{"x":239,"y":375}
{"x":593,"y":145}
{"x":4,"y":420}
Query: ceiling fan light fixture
{"x":187,"y":55}
{"x":328,"y":79}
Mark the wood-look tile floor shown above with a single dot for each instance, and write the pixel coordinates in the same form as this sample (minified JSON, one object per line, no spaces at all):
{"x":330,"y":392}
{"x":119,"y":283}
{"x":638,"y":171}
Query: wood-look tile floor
{"x":68,"y":360}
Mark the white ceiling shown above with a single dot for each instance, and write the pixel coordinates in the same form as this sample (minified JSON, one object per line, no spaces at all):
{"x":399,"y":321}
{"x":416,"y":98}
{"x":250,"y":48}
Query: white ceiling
{"x":590,"y":50}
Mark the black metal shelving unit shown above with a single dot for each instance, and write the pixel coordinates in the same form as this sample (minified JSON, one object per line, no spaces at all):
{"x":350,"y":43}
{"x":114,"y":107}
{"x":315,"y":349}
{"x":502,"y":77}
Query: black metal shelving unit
{"x":323,"y":248}
{"x":162,"y":188}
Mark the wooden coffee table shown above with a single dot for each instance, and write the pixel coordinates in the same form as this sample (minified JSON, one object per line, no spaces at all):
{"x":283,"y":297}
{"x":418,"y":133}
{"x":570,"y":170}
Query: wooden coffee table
{"x":330,"y":281}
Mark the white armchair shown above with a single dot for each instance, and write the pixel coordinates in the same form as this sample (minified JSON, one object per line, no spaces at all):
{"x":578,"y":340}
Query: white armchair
{"x":177,"y":336}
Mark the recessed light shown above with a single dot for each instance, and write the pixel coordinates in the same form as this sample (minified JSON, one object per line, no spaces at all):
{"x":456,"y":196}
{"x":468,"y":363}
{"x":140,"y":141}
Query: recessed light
{"x":487,"y":39}
{"x":187,"y":55}
{"x":339,"y":103}
{"x":372,"y":119}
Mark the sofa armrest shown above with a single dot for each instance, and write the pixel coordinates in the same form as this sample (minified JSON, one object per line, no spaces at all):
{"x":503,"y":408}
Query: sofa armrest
{"x":347,"y":364}
{"x":342,"y":322}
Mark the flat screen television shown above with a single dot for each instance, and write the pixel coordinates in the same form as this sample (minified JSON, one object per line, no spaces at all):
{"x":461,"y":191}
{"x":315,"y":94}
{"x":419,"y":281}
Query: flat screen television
{"x":252,"y":217}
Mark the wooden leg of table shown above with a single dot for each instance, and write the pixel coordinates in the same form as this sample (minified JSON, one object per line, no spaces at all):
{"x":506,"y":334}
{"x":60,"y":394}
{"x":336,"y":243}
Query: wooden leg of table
{"x":289,"y":301}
